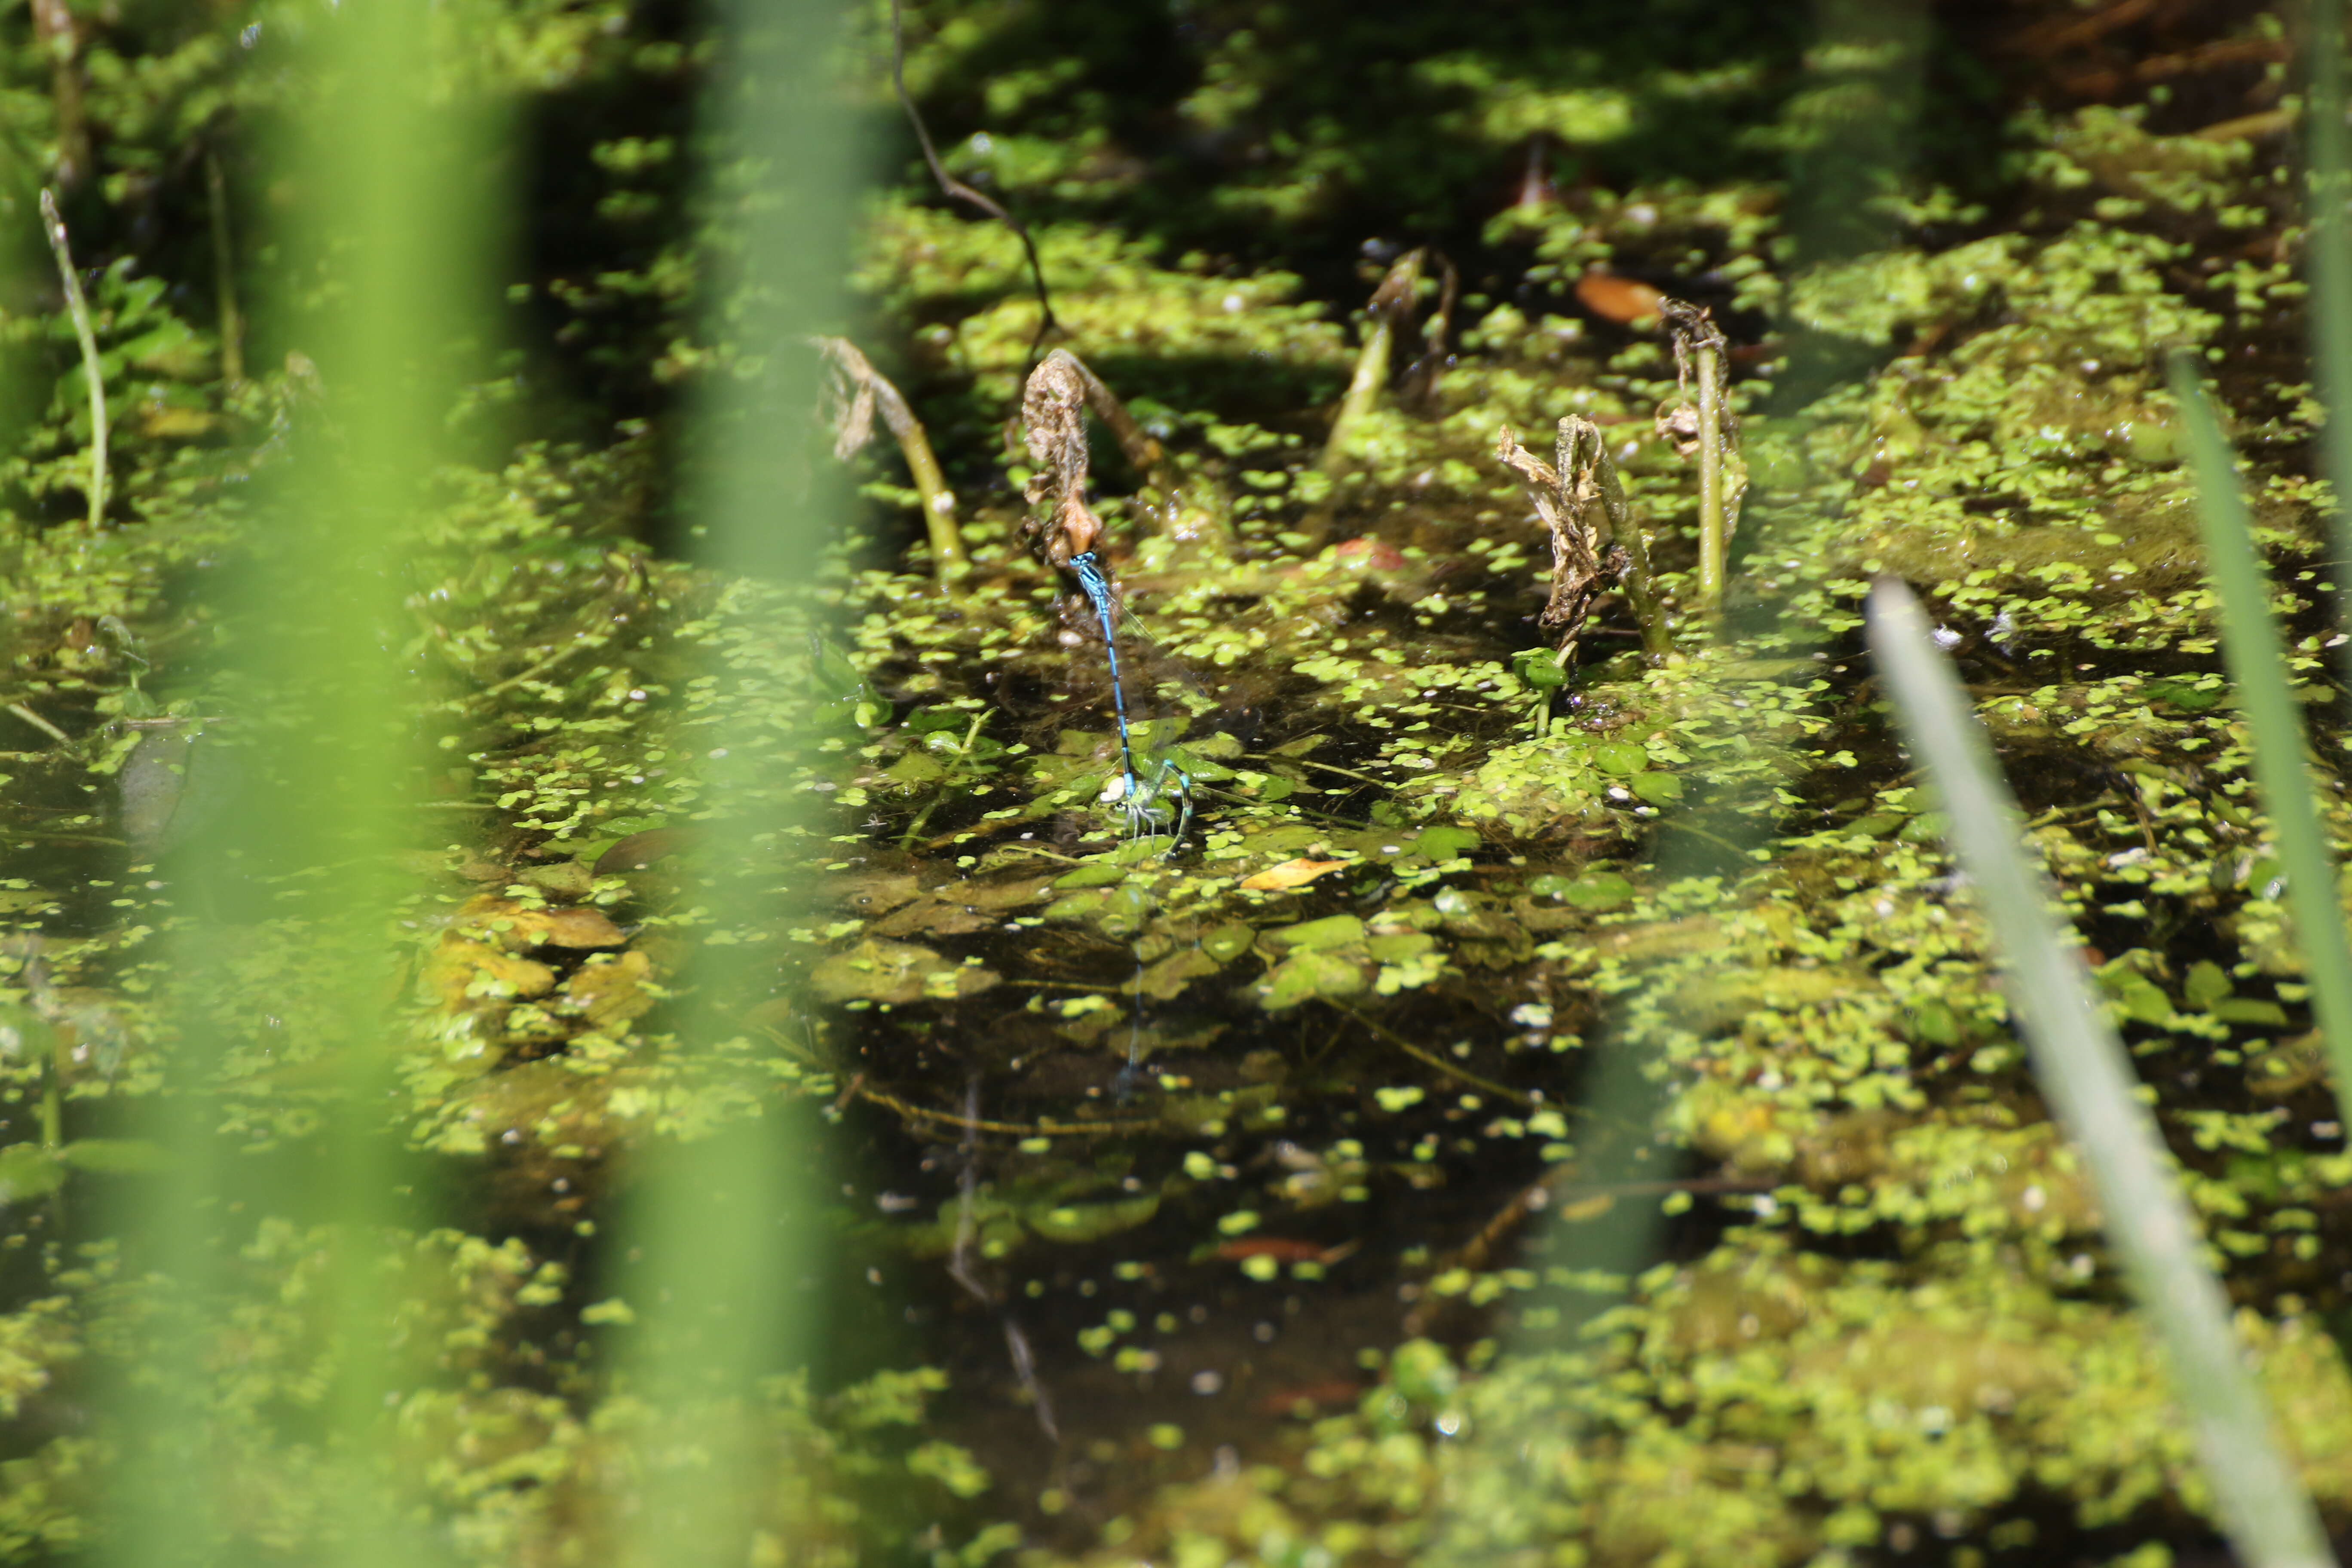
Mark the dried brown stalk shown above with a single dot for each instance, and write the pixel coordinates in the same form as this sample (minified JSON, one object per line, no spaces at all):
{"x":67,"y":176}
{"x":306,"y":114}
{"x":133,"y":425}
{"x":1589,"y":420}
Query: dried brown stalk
{"x":1592,"y":530}
{"x":1140,"y":447}
{"x":1185,"y":516}
{"x":949,"y":186}
{"x":1053,"y":416}
{"x":858,"y":391}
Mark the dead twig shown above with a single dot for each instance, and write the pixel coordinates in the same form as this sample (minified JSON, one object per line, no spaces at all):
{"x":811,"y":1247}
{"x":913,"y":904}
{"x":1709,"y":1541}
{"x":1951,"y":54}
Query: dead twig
{"x":1586,"y":539}
{"x":858,"y":391}
{"x":949,"y":186}
{"x":37,"y":722}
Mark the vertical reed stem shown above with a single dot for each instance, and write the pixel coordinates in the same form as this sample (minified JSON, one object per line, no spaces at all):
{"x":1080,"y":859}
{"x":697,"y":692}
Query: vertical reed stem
{"x":2256,"y":657}
{"x":78,"y":306}
{"x":1713,"y":533}
{"x":232,"y":318}
{"x":2326,"y":196}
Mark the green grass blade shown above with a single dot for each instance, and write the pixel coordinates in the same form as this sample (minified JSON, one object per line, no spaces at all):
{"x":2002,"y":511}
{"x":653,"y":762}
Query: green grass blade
{"x":315,"y":698}
{"x":722,"y":1223}
{"x":2328,"y":190}
{"x":2084,"y":1073}
{"x":2257,"y":661}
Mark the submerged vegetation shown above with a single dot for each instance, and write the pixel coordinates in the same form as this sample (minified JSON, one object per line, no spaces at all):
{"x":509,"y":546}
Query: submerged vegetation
{"x":1456,"y":1054}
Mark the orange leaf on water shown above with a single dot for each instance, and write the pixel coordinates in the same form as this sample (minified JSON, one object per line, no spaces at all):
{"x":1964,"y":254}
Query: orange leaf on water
{"x":1291,"y":874}
{"x":1618,"y":299}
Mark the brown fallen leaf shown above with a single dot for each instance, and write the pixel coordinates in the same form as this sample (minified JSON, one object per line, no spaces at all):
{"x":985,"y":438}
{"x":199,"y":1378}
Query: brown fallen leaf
{"x":1617,"y":299}
{"x":1291,"y":874}
{"x":611,"y":990}
{"x":518,"y":927}
{"x":461,"y":973}
{"x":581,"y":928}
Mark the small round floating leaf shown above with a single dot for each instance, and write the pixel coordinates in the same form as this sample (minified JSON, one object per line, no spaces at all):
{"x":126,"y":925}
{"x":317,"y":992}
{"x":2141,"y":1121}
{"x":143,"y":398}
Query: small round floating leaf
{"x":1656,"y":788}
{"x":1598,"y":890}
{"x":1538,"y":668}
{"x":1621,"y":757}
{"x":1228,"y":941}
{"x":1308,"y":977}
{"x":1443,"y":843}
{"x":1424,"y":1373}
{"x":1075,"y":1222}
{"x":1319,"y":936}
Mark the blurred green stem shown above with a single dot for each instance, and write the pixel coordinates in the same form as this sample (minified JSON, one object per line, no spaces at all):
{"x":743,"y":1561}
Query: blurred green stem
{"x":2257,"y":659}
{"x":232,"y":318}
{"x":78,"y":307}
{"x":1711,"y":541}
{"x":2088,"y":1079}
{"x":1390,"y":303}
{"x":2328,"y":190}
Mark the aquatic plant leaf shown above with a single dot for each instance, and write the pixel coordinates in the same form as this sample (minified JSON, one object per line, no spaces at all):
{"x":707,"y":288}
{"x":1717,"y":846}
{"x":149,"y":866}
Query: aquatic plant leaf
{"x":1656,"y":788}
{"x":1623,"y":758}
{"x":895,"y":972}
{"x":1168,"y":978}
{"x":1598,"y":890}
{"x":610,"y":990}
{"x":2207,"y":982}
{"x":1317,"y":936}
{"x":28,"y":1171}
{"x":463,"y":971}
{"x":1073,"y":1223}
{"x":1311,"y":975}
{"x":1228,"y":941}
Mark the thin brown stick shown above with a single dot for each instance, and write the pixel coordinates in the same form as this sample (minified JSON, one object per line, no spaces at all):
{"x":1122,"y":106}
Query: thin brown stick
{"x":951,"y":186}
{"x":56,"y":35}
{"x":1423,"y":1053}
